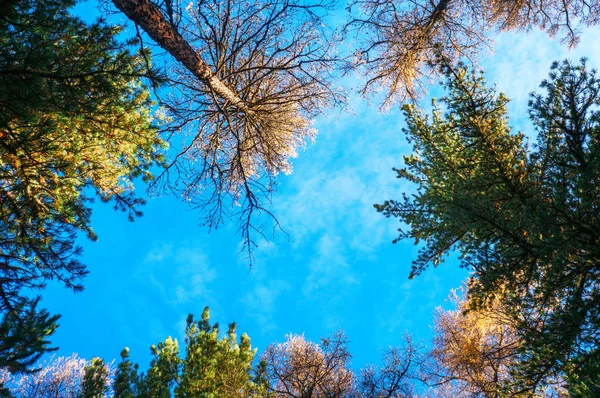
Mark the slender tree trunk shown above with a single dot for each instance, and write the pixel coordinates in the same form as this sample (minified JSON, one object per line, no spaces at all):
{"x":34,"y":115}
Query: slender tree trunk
{"x":148,"y":16}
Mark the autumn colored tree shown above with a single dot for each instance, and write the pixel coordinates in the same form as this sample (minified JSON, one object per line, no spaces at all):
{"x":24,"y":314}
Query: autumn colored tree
{"x":526,"y":222}
{"x":75,"y":124}
{"x":248,"y":80}
{"x":213,"y":366}
{"x":401,"y":39}
{"x":477,"y":352}
{"x":302,"y":369}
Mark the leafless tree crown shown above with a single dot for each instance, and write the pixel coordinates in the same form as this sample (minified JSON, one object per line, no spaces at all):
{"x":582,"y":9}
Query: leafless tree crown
{"x":403,"y":373}
{"x":250,"y":78}
{"x":400,"y":39}
{"x":476,"y":352}
{"x":302,"y":369}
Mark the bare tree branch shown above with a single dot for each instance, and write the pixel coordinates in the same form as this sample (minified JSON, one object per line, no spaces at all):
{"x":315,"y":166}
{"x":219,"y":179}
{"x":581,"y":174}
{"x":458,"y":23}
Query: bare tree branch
{"x":149,"y":17}
{"x":250,"y":79}
{"x":401,"y":39}
{"x":301,"y":369}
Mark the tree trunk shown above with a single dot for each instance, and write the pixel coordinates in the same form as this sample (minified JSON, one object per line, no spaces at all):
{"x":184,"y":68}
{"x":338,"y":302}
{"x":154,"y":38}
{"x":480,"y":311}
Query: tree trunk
{"x":148,"y":16}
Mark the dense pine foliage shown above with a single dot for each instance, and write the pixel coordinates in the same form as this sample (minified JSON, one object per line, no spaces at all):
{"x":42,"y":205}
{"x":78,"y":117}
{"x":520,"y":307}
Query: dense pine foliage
{"x":524,"y":220}
{"x":75,"y":123}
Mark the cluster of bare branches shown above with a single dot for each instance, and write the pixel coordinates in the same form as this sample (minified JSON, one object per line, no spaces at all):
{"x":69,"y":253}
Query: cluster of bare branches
{"x":476,"y":348}
{"x":299,"y":368}
{"x":474,"y":354}
{"x":402,"y":39}
{"x":565,"y":17}
{"x":404,"y":373}
{"x":250,"y":79}
{"x":399,"y":38}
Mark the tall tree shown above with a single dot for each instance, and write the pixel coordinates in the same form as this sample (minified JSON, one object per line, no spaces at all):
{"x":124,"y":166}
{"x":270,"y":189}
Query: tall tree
{"x":402,"y":38}
{"x":231,"y":374}
{"x":96,"y":379}
{"x":24,"y":334}
{"x":526,"y":222}
{"x":74,"y":121}
{"x":248,"y":80}
{"x":126,"y":377}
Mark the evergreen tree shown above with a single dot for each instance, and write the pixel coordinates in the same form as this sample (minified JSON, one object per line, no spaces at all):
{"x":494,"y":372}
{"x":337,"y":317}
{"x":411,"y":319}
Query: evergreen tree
{"x":584,"y":380}
{"x":125,"y":382}
{"x":24,"y":334}
{"x":526,"y":222}
{"x":95,"y":379}
{"x":74,"y":121}
{"x":212,"y":366}
{"x":163,"y":372}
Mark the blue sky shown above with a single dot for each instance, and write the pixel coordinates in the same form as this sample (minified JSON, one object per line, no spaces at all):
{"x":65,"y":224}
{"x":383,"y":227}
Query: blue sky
{"x":336,"y":268}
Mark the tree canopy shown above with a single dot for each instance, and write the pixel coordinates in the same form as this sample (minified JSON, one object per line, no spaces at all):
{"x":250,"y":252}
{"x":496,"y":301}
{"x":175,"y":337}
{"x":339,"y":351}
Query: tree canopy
{"x":524,"y":220}
{"x":213,"y":366}
{"x":75,"y":123}
{"x":400,"y":39}
{"x":472,"y":355}
{"x":248,"y":80}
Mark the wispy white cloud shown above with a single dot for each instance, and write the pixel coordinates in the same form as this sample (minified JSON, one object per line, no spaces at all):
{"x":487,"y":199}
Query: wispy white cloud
{"x":521,"y":61}
{"x":262,"y":301}
{"x":328,"y":267}
{"x":180,"y":274}
{"x":333,"y":191}
{"x":187,"y":278}
{"x":159,"y":253}
{"x":411,"y":301}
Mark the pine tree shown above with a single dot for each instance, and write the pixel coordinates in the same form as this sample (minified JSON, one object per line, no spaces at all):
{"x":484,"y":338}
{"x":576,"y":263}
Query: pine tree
{"x":526,"y":222}
{"x":24,"y":333}
{"x":124,"y":385}
{"x":213,"y":366}
{"x":95,"y":379}
{"x":74,"y":121}
{"x":221,"y":367}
